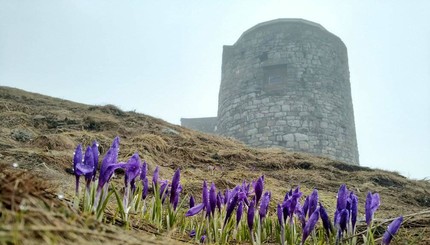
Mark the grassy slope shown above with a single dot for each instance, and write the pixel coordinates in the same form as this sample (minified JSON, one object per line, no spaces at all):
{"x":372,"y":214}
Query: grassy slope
{"x":40,"y":133}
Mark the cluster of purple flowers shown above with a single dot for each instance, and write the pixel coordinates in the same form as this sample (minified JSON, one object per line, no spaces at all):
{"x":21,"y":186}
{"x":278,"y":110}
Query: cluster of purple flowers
{"x":248,"y":198}
{"x":133,"y":168}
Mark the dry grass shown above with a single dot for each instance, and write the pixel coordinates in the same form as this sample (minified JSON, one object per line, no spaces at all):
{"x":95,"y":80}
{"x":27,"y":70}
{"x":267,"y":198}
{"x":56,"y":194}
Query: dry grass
{"x":40,"y":133}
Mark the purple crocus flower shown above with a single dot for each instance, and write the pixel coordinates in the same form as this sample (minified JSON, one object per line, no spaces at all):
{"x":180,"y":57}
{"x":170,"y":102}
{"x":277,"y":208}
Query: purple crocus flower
{"x":192,"y":233}
{"x":176,"y":200}
{"x":145,"y":188}
{"x":164,"y":189}
{"x":175,"y":184}
{"x":325,"y":220}
{"x":342,"y":221}
{"x":155,"y":177}
{"x":239,"y":213}
{"x":230,"y":207}
{"x":108,"y":167}
{"x":212,"y":199}
{"x":227,"y":195}
{"x":144,"y":179}
{"x":310,"y":225}
{"x":372,"y":204}
{"x":313,"y":202}
{"x":132,"y":170}
{"x":299,"y":213}
{"x":77,"y":159}
{"x":342,"y":196}
{"x":306,"y":206}
{"x":279,"y":212}
{"x":195,"y":210}
{"x":85,"y":167}
{"x":258,"y":189}
{"x":354,"y":210}
{"x":291,"y":203}
{"x":199,"y":207}
{"x":264,"y":206}
{"x":251,"y":214}
{"x":143,"y":170}
{"x":219,"y":201}
{"x":88,"y":164}
{"x":202,"y":239}
{"x":392,"y":229}
{"x":192,"y":202}
{"x":95,"y":149}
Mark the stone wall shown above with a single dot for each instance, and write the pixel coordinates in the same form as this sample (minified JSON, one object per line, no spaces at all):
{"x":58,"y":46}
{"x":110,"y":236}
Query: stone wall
{"x":203,"y":124}
{"x":286,"y":83}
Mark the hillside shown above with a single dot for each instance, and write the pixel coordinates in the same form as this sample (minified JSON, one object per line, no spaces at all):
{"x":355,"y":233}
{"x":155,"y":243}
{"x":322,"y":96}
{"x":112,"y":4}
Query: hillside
{"x":40,"y":133}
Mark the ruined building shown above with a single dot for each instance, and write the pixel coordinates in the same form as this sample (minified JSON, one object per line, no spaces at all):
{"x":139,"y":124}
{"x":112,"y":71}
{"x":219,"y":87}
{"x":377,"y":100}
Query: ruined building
{"x":285,"y":83}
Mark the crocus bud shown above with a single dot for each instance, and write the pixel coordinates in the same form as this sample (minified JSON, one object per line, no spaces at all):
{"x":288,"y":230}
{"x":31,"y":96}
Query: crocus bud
{"x":391,"y":231}
{"x":230,"y":207}
{"x":372,"y":204}
{"x":310,"y":224}
{"x":192,"y":201}
{"x":145,"y":188}
{"x":354,"y":210}
{"x":251,"y":214}
{"x":155,"y":177}
{"x":313,"y":202}
{"x":239,"y":213}
{"x":325,"y":220}
{"x":175,"y":184}
{"x":95,"y":150}
{"x":212,"y":199}
{"x":279,"y":212}
{"x":258,"y":189}
{"x":264,"y":206}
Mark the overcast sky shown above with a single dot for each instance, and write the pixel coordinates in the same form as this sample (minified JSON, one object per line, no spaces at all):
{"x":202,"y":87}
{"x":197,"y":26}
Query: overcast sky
{"x":164,"y":59}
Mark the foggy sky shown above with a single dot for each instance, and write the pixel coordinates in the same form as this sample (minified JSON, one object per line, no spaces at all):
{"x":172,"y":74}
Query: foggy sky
{"x":164,"y":59}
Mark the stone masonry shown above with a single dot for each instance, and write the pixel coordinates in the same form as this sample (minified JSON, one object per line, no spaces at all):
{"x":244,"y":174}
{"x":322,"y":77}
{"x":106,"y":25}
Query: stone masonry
{"x":285,"y":83}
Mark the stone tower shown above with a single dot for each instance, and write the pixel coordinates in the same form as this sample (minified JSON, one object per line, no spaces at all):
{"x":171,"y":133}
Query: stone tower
{"x":285,"y":83}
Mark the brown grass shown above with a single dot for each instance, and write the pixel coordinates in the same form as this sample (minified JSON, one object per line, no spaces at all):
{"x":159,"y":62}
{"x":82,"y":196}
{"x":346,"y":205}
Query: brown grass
{"x":56,"y":126}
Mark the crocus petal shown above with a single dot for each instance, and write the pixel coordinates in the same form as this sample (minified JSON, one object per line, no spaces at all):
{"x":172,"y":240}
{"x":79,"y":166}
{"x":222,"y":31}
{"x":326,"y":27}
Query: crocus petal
{"x":279,"y":212}
{"x":264,"y":206}
{"x":310,"y":224}
{"x":212,"y":198}
{"x":202,"y":239}
{"x":175,"y":183}
{"x":239,"y":213}
{"x":230,"y":207}
{"x":132,"y":168}
{"x":251,"y":214}
{"x":195,"y":210}
{"x":313,"y":201}
{"x":219,"y":201}
{"x":95,"y":149}
{"x":145,"y":188}
{"x":192,"y":202}
{"x":77,"y":157}
{"x":372,"y":204}
{"x":258,"y":189}
{"x":325,"y":220}
{"x":343,"y":219}
{"x":354,"y":209}
{"x":143,"y":170}
{"x":392,"y":230}
{"x":306,"y":206}
{"x":155,"y":176}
